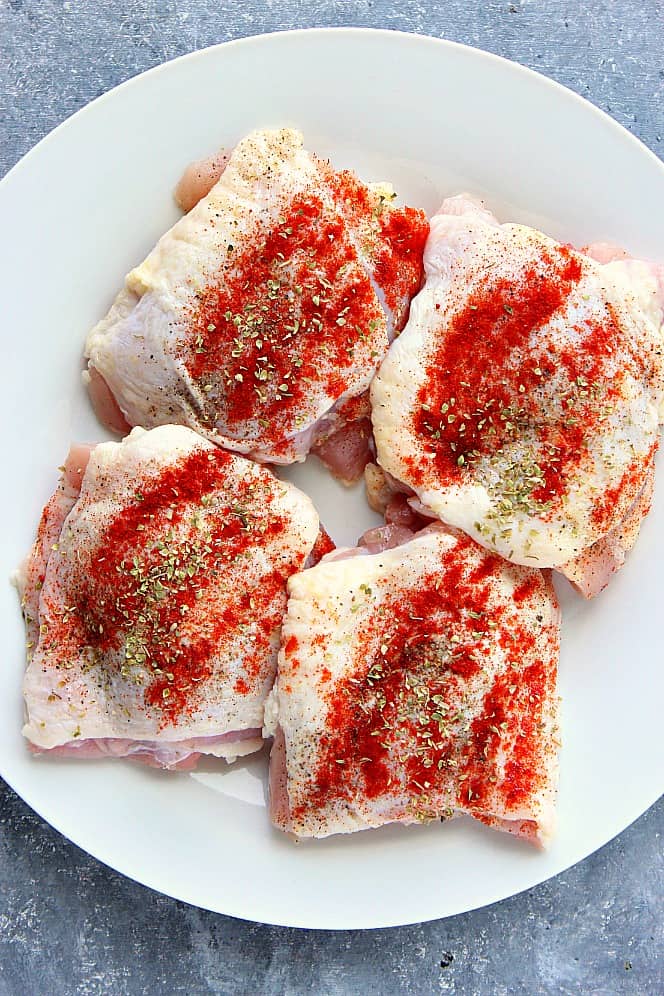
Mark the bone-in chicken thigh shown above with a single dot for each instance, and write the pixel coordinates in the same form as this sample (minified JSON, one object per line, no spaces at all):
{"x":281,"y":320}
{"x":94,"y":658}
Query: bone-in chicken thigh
{"x":154,"y":597}
{"x":521,"y":403}
{"x":265,"y":309}
{"x":416,"y":683}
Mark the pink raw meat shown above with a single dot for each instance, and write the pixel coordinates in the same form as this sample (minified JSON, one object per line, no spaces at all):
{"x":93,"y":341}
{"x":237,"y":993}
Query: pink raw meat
{"x":199,"y":178}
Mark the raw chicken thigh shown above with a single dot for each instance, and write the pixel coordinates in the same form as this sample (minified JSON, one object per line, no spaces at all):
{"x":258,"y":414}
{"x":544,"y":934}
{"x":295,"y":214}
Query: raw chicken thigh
{"x":154,"y":598}
{"x":416,"y":683}
{"x":264,"y":311}
{"x":521,"y":402}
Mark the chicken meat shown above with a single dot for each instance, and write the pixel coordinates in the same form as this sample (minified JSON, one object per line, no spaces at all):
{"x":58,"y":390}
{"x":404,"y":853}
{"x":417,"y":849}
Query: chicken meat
{"x":416,"y":683}
{"x":154,"y":596}
{"x":265,"y":311}
{"x":521,"y":402}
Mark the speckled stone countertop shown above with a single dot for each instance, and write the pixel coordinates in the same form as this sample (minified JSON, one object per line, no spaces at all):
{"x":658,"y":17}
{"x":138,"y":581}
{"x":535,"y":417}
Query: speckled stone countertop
{"x":68,"y":924}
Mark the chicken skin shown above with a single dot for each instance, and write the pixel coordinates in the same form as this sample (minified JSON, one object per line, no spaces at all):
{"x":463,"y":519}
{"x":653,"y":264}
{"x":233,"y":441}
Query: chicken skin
{"x":265,"y":311}
{"x":154,"y":597}
{"x":416,"y":683}
{"x":521,"y":402}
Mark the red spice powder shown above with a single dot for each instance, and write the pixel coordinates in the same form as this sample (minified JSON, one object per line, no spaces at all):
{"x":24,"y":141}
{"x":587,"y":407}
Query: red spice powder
{"x":158,"y":573}
{"x":393,"y":237}
{"x":527,"y":589}
{"x":294,"y":310}
{"x":627,"y":489}
{"x":399,"y":266}
{"x":324,"y":544}
{"x":484,"y":383}
{"x":396,"y":723}
{"x":412,"y":630}
{"x":356,"y":408}
{"x":422,"y":647}
{"x":513,"y":708}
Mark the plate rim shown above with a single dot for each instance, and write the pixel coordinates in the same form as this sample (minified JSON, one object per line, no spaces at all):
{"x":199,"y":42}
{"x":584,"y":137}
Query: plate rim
{"x":405,"y":36}
{"x":253,"y":42}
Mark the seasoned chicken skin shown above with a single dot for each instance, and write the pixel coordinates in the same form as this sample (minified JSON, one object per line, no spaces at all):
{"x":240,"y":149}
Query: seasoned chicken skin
{"x":416,"y":683}
{"x":521,"y":402}
{"x":154,"y":597}
{"x":265,"y":309}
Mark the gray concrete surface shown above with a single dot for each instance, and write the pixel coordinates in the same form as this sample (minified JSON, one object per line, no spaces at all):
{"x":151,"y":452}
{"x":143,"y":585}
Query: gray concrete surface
{"x":68,"y":925}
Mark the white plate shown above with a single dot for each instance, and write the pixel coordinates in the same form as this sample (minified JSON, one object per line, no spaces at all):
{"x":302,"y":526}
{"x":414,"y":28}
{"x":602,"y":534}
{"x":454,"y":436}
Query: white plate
{"x":84,"y":206}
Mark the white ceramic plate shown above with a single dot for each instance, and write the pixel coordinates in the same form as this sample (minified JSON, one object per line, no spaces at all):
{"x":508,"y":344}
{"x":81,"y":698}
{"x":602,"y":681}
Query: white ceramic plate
{"x":87,"y":204}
